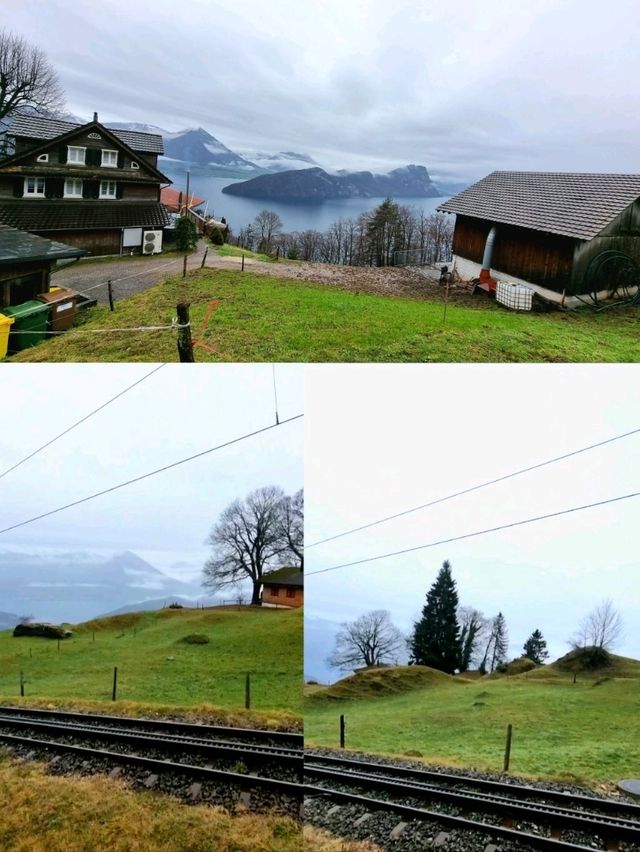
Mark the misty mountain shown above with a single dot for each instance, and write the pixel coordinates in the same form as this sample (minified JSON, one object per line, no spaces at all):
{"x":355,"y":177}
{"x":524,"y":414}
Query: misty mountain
{"x":319,"y":639}
{"x":283,"y":161}
{"x":160,"y":603}
{"x":316,"y":184}
{"x":8,"y":620}
{"x":76,"y":586}
{"x":200,"y":147}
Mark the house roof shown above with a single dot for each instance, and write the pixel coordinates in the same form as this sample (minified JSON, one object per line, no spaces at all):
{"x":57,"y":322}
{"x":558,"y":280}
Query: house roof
{"x":288,"y":576}
{"x":43,"y":215}
{"x":572,"y":204}
{"x":38,"y":127}
{"x":18,"y":245}
{"x":173,"y":199}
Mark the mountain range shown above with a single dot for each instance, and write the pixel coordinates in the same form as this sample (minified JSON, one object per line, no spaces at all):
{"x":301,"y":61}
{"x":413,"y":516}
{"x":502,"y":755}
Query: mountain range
{"x":316,"y":184}
{"x":74,"y":586}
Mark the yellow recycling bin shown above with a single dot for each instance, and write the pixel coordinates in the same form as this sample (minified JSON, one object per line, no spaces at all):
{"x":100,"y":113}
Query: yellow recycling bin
{"x":5,"y":328}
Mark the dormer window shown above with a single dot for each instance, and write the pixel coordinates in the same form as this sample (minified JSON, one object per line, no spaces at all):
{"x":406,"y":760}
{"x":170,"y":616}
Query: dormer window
{"x":134,"y":165}
{"x":34,"y":187}
{"x":43,"y":158}
{"x":76,"y":155}
{"x":107,"y":189}
{"x":73,"y":188}
{"x":109,"y":158}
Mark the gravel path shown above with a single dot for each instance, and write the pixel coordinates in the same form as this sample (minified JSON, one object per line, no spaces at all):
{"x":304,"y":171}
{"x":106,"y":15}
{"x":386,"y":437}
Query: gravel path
{"x":135,"y":274}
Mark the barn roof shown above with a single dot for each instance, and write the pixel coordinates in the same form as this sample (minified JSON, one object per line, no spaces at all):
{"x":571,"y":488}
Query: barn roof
{"x":37,"y":127}
{"x":70,"y":215}
{"x":288,"y":576}
{"x":20,"y":246}
{"x":568,"y":203}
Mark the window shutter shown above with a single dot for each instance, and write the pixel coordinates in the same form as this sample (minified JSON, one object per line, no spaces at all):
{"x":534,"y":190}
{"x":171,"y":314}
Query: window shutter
{"x":63,"y":153}
{"x":90,"y":188}
{"x":54,"y":188}
{"x":93,"y":157}
{"x":18,"y":189}
{"x":118,"y":190}
{"x":120,"y":160}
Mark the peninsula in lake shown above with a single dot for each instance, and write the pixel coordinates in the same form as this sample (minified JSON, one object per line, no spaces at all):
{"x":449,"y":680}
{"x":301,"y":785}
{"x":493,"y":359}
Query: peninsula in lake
{"x":316,"y":184}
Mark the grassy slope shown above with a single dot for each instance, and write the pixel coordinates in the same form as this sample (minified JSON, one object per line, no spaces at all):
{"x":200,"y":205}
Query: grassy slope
{"x":587,"y":731}
{"x":262,"y":318}
{"x":265,"y":642}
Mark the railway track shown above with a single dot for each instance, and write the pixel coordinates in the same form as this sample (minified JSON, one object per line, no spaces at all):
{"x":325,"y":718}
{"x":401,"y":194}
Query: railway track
{"x":522,"y":815}
{"x":261,"y":769}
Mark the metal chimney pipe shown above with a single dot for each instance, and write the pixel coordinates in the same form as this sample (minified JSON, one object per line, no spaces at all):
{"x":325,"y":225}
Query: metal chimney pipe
{"x":488,"y":248}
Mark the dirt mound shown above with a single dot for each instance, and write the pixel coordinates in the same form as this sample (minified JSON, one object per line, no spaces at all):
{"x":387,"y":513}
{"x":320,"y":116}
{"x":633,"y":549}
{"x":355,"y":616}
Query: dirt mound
{"x":377,"y":681}
{"x":596,"y":661}
{"x":520,"y":665}
{"x":111,"y":622}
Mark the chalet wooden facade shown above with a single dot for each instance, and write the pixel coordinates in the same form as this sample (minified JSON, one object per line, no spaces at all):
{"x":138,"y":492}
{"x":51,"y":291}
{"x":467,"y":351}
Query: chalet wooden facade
{"x":564,"y":235}
{"x":84,"y":185}
{"x":26,"y":261}
{"x":284,"y":587}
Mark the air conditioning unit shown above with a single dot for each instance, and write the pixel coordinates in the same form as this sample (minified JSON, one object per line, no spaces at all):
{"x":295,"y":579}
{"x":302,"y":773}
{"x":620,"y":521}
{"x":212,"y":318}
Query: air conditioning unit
{"x":152,"y":242}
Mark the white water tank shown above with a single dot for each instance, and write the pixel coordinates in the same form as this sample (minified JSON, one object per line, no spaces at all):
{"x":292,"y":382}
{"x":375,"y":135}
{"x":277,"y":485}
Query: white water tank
{"x":514,"y":296}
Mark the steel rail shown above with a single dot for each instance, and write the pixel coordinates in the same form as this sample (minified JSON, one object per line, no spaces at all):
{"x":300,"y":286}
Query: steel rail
{"x":593,"y":824}
{"x":536,"y":841}
{"x":295,"y":740}
{"x":206,"y":773}
{"x":172,"y":743}
{"x":517,"y":790}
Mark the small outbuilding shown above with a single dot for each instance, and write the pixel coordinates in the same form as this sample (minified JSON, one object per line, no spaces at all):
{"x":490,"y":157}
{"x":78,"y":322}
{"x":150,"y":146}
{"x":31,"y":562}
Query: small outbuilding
{"x":26,"y":261}
{"x":565,"y":235}
{"x":283,"y":587}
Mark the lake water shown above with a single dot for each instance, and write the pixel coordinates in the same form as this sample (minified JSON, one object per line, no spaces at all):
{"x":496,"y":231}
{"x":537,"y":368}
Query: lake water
{"x":296,"y":216}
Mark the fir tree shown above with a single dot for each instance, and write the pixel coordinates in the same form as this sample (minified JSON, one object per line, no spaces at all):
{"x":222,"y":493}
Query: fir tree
{"x":435,"y":641}
{"x":535,"y":648}
{"x":186,"y":234}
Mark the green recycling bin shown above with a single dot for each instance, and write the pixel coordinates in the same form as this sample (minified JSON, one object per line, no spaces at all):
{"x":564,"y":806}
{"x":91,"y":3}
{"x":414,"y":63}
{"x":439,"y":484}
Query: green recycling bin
{"x":29,"y":316}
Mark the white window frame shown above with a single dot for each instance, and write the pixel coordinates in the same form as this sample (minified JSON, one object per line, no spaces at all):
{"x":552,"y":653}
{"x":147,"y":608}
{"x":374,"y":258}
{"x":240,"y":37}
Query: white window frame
{"x":36,"y":181}
{"x":78,"y":162}
{"x":109,"y":165}
{"x":135,"y":165}
{"x":108,"y":184}
{"x":74,"y":182}
{"x":42,"y":158}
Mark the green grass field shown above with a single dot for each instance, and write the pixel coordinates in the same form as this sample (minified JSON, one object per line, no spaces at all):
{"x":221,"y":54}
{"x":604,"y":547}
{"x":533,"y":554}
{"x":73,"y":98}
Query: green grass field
{"x":264,"y":318}
{"x":155,"y":667}
{"x":588,"y":732}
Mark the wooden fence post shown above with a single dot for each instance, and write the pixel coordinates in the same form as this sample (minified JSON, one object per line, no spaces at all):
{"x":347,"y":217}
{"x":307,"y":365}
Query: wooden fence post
{"x":204,"y":258}
{"x":58,"y":644}
{"x":21,"y":683}
{"x":342,"y":728}
{"x":247,"y":692}
{"x":242,"y":267}
{"x":507,"y":750}
{"x":184,"y":267}
{"x":110,"y":292}
{"x":185,"y":343}
{"x":115,"y":683}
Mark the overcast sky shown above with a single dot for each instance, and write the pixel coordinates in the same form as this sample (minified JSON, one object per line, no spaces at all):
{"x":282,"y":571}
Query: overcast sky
{"x":173,"y":414}
{"x":383,"y":438}
{"x":462,"y":88}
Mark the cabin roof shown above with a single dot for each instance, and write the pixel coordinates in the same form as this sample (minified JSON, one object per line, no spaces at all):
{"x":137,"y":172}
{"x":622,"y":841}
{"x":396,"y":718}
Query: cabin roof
{"x":70,"y":215}
{"x":288,"y":576}
{"x":19,"y":246}
{"x":573,"y":204}
{"x":38,"y":127}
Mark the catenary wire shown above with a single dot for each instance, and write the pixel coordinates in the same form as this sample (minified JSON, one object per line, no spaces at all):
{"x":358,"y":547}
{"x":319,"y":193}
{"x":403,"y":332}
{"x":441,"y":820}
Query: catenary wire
{"x":476,"y":533}
{"x":477,"y":487}
{"x":152,"y":473}
{"x":82,"y":420}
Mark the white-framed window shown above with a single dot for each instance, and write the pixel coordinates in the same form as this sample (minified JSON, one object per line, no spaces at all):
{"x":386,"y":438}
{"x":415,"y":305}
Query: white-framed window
{"x":109,"y":158}
{"x":107,"y":189}
{"x":34,"y":187}
{"x":76,"y":155}
{"x":73,"y":188}
{"x":134,"y":165}
{"x":43,"y":158}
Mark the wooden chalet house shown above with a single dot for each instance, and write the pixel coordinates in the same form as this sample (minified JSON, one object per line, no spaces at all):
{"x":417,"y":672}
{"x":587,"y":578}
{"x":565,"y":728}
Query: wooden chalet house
{"x":283,"y":587}
{"x":563,"y":234}
{"x":84,"y":185}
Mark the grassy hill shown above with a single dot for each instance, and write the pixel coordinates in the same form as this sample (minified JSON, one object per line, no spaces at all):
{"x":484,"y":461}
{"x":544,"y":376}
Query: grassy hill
{"x":317,"y":322}
{"x":584,"y":731}
{"x":156,"y":666}
{"x":375,"y":682}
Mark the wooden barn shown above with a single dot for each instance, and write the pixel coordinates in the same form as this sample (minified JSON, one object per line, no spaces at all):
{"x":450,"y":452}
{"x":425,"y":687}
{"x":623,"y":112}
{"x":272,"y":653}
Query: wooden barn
{"x":84,"y":185}
{"x":565,"y":235}
{"x":283,"y":587}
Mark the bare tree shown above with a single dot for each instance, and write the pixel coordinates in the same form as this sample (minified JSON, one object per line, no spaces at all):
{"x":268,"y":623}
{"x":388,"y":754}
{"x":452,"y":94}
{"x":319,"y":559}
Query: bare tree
{"x":27,"y":78}
{"x":473,"y":631}
{"x":368,"y":641}
{"x":601,"y":628}
{"x":247,"y":541}
{"x":291,"y":529}
{"x":266,"y":225}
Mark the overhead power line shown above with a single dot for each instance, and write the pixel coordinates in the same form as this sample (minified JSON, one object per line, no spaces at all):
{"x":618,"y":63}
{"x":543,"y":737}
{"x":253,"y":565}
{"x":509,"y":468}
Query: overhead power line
{"x":151,"y":473}
{"x":475,"y":488}
{"x":476,"y":533}
{"x":82,"y":420}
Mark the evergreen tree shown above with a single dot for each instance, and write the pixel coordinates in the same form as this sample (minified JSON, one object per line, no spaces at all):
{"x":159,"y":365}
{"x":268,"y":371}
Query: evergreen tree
{"x":535,"y":648}
{"x":435,"y":641}
{"x":500,"y":641}
{"x":186,"y":234}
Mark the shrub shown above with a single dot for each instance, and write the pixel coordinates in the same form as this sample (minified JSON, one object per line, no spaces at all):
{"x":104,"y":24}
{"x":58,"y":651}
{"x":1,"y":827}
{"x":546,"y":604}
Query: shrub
{"x":186,"y":234}
{"x":196,"y":639}
{"x":216,"y":237}
{"x":175,"y":605}
{"x":46,"y":631}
